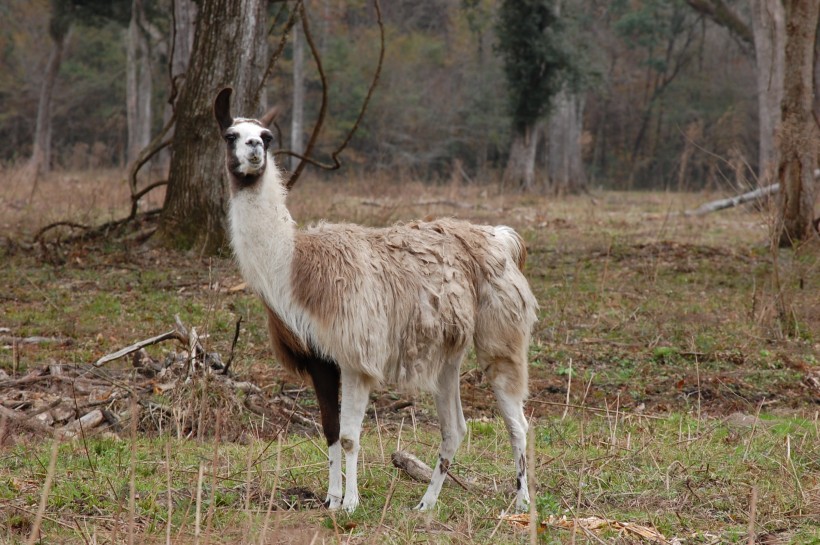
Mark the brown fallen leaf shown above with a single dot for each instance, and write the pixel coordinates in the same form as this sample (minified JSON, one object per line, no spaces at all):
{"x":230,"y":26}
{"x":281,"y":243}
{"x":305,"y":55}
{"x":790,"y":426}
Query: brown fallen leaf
{"x":522,"y":521}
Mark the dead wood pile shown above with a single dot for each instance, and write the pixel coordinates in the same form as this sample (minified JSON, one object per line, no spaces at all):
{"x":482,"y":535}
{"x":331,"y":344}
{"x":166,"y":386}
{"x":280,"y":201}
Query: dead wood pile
{"x":184,"y":394}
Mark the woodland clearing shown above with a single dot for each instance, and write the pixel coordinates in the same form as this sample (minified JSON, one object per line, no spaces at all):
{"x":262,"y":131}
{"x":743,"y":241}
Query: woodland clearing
{"x":675,"y":374}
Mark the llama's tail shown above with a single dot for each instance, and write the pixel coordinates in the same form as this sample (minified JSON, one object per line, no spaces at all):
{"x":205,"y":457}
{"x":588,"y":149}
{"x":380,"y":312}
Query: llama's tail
{"x":514,"y":244}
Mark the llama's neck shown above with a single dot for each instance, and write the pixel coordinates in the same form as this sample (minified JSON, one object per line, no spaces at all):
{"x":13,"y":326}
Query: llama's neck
{"x":262,"y":235}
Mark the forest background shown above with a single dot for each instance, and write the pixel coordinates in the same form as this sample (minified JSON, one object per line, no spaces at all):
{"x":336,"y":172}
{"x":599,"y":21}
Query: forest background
{"x":667,"y":98}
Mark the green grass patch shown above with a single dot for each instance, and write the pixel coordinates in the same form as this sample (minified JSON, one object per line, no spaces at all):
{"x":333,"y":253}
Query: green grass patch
{"x":687,"y":478}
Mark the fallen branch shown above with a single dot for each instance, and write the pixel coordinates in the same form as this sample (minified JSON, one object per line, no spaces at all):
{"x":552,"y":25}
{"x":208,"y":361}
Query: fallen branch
{"x":721,"y":204}
{"x":419,"y":471}
{"x":36,"y":339}
{"x":135,"y":347}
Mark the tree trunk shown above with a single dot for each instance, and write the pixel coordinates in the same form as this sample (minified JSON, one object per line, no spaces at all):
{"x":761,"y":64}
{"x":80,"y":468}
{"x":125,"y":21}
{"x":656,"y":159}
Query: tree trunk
{"x":184,"y":25}
{"x":798,"y":136}
{"x":520,"y":170}
{"x":297,"y":140}
{"x":564,"y":165}
{"x":182,"y":41}
{"x":769,"y":27}
{"x":138,"y":83}
{"x":229,"y":50}
{"x":40,"y":160}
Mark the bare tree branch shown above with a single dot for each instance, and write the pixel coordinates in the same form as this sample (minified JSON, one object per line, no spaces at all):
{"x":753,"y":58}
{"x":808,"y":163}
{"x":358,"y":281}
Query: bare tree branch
{"x":305,"y":158}
{"x":283,"y":40}
{"x":145,"y":155}
{"x":723,"y":15}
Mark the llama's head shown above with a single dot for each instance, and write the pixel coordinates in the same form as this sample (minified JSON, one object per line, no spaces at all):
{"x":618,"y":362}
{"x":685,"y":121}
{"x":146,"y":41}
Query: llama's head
{"x":247,"y":142}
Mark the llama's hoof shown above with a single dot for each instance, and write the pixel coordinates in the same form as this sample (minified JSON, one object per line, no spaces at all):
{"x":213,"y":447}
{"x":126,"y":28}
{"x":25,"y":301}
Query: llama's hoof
{"x":522,"y":505}
{"x":424,"y":506}
{"x":350,"y":503}
{"x":333,"y":503}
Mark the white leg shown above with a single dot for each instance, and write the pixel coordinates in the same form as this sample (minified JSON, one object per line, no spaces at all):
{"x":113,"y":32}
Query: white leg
{"x":512,"y":409}
{"x":334,"y":489}
{"x":453,"y":428}
{"x":355,"y":395}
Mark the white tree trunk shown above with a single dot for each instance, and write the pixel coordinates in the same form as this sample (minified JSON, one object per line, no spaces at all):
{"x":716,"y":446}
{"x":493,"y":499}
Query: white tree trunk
{"x":769,"y":26}
{"x":40,"y":160}
{"x":564,"y":165}
{"x":520,"y":170}
{"x":138,"y":83}
{"x":297,"y":140}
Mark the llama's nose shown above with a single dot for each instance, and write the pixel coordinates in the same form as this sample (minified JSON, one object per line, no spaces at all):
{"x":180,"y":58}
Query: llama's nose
{"x":253,"y":142}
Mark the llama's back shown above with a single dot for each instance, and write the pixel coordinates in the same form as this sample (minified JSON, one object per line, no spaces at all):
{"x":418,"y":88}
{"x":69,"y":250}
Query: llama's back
{"x":401,"y":302}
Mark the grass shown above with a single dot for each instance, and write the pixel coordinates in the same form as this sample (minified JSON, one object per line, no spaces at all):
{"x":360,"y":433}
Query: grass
{"x":688,"y":478}
{"x":671,"y":373}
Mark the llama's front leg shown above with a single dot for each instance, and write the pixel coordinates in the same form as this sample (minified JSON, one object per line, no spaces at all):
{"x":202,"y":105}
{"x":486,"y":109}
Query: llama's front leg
{"x":355,"y":395}
{"x":334,"y":488}
{"x":326,"y":380}
{"x":453,"y":428}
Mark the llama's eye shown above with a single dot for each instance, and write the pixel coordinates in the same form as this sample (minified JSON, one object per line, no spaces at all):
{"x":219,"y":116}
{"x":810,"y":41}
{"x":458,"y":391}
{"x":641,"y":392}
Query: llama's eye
{"x":230,"y":137}
{"x":266,"y":138}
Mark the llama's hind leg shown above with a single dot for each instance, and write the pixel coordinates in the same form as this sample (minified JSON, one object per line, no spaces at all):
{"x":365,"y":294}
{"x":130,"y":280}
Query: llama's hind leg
{"x":355,"y":395}
{"x":326,"y":382}
{"x":453,"y":428}
{"x":512,"y":409}
{"x":508,"y":375}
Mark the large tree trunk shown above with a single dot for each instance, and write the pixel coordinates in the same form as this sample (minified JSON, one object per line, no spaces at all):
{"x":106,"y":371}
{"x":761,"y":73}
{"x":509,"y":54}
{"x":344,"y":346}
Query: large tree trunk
{"x":769,"y":26}
{"x":297,"y":139}
{"x":138,"y":83}
{"x":520,"y":170}
{"x":798,"y":136}
{"x":229,"y":50}
{"x":40,"y":160}
{"x":564,"y":165}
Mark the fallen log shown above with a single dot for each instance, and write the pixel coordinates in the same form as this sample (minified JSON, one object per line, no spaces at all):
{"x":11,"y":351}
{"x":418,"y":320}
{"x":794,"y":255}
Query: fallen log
{"x":419,"y":471}
{"x":722,"y":204}
{"x":86,"y":422}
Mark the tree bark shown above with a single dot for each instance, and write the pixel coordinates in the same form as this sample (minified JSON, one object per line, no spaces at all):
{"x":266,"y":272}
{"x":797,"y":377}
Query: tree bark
{"x":798,"y":136}
{"x":138,"y":83}
{"x":564,"y":165}
{"x":520,"y":170}
{"x":229,"y":50}
{"x":40,"y":160}
{"x":769,"y":25}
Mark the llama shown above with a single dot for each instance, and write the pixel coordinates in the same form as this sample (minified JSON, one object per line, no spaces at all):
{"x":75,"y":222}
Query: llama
{"x":354,"y":308}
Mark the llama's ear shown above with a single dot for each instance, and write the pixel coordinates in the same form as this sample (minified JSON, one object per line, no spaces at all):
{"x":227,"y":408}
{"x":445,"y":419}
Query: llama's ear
{"x":269,"y":117}
{"x":222,"y":108}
